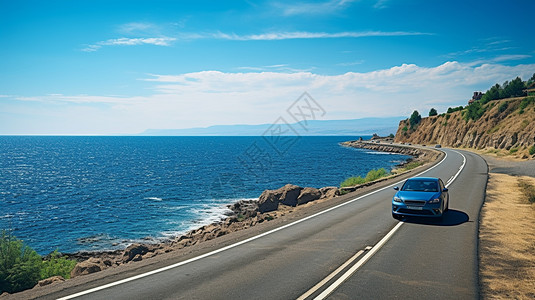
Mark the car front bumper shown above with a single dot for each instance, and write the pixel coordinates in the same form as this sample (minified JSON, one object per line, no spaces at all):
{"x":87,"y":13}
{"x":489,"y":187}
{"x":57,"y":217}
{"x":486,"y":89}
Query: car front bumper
{"x":427,"y":210}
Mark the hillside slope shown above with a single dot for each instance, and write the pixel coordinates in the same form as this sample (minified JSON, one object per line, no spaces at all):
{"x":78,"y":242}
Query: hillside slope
{"x":507,"y":124}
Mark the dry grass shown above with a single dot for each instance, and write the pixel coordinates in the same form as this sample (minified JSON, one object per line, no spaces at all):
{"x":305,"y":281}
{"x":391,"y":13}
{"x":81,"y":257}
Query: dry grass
{"x":507,"y":240}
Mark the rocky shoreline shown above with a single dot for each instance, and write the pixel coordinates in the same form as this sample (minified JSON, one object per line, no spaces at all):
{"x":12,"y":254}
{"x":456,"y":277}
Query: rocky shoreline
{"x":270,"y":205}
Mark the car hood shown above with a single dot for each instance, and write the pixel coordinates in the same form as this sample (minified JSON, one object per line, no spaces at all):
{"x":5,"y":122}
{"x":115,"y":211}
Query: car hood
{"x":406,"y":195}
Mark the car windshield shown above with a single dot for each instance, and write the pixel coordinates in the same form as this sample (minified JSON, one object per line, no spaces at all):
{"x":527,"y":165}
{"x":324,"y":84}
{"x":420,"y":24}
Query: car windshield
{"x":420,"y":186}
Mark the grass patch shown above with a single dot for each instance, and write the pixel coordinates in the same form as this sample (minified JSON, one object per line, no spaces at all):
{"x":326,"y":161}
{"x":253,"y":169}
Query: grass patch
{"x":532,"y":150}
{"x":527,"y":189}
{"x":412,"y":165}
{"x":494,"y":129}
{"x":492,"y":151}
{"x":371,"y":176}
{"x":513,"y":150}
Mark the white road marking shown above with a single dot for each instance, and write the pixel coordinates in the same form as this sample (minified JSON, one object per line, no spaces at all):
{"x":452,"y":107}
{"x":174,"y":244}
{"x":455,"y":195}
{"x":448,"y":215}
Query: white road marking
{"x":361,"y":262}
{"x":331,"y":276}
{"x":115,"y":283}
{"x":380,"y":244}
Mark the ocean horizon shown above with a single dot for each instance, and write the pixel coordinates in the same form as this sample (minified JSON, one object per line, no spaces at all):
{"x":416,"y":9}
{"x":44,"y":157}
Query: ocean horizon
{"x":96,"y":193}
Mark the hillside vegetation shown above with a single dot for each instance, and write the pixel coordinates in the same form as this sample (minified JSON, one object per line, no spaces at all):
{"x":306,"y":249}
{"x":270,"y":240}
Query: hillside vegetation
{"x":501,"y":125}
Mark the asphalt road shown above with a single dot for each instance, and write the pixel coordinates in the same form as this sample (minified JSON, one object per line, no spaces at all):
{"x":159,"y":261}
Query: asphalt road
{"x":422,"y":259}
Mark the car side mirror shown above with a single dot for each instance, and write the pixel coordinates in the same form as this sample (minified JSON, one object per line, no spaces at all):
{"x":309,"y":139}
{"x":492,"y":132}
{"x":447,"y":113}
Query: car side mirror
{"x":445,"y":190}
{"x":396,"y":188}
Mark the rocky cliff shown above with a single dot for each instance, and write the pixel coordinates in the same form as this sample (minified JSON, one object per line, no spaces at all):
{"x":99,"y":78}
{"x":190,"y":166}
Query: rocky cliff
{"x":507,"y":125}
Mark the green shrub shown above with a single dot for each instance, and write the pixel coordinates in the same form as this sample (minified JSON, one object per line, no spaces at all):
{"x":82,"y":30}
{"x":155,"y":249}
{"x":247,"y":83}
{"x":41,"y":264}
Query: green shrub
{"x":352,"y":181}
{"x":371,"y":176}
{"x":503,"y":107}
{"x":57,"y":266}
{"x":404,"y":129}
{"x":375,"y":174}
{"x":19,"y":265}
{"x":454,"y":109}
{"x":474,"y":111}
{"x":412,"y":165}
{"x":532,"y":150}
{"x":513,"y":150}
{"x":525,"y":103}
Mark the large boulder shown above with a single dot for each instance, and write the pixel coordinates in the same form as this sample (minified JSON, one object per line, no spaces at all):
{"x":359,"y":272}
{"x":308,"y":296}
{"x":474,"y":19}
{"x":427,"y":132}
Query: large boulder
{"x":308,"y":194}
{"x":89,"y":266}
{"x":134,"y":252}
{"x":269,"y":201}
{"x":289,"y":194}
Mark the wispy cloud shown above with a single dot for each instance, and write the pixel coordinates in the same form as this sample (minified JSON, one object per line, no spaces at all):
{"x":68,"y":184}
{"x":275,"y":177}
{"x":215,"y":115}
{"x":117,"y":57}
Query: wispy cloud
{"x":488,"y":45}
{"x":509,"y":57}
{"x":352,"y":63}
{"x":157,"y":41}
{"x":310,"y":35}
{"x":323,"y":7}
{"x":270,"y":36}
{"x":313,"y":8}
{"x":278,"y":68}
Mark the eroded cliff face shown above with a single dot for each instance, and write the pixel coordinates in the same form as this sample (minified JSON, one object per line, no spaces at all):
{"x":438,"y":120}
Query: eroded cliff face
{"x":511,"y":128}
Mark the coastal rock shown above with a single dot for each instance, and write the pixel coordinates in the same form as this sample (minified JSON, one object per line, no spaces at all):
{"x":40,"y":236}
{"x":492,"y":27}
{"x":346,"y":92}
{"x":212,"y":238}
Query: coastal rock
{"x":246,"y":208}
{"x":133,"y":251}
{"x":50,"y":280}
{"x":289,"y":195}
{"x":269,"y":201}
{"x":89,"y":266}
{"x":308,"y":194}
{"x":329,"y":192}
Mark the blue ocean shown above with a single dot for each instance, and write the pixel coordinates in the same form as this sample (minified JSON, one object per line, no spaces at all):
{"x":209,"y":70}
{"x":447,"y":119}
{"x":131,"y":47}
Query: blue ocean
{"x":75,"y":193}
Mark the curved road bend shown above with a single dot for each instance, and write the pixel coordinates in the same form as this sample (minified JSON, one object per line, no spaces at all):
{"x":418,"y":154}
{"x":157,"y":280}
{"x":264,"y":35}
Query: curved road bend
{"x":421,"y":260}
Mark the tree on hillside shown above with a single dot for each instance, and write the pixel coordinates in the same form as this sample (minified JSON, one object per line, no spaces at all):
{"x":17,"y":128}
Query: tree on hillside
{"x":415,"y":119}
{"x":531,"y":80}
{"x":492,"y":94}
{"x":514,"y":88}
{"x":433,"y":112}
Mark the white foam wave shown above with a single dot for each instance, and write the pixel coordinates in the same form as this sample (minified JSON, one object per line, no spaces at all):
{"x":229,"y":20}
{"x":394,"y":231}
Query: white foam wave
{"x":153,"y":198}
{"x":381,"y":153}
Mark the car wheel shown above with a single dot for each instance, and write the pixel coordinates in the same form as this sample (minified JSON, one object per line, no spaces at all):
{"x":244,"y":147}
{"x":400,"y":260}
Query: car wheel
{"x":447,"y":206}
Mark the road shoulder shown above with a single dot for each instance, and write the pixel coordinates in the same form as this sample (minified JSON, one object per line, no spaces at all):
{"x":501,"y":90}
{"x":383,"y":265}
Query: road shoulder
{"x":507,"y":236}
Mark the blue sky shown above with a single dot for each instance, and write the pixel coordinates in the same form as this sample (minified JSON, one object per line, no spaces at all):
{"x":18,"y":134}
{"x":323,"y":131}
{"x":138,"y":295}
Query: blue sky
{"x":121,"y":67}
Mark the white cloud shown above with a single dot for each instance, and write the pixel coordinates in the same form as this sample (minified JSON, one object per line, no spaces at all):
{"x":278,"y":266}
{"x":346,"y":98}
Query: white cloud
{"x":213,"y":97}
{"x":509,"y":57}
{"x":158,"y":41}
{"x":322,"y":7}
{"x":309,"y":35}
{"x":313,"y":8}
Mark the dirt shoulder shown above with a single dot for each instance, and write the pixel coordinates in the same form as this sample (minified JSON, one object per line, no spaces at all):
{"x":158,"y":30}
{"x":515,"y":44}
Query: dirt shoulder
{"x":507,"y":240}
{"x":507,"y":229}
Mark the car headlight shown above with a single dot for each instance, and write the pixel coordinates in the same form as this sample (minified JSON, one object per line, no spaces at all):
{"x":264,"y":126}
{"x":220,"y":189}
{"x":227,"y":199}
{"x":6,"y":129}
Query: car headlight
{"x":437,"y":200}
{"x":397,"y":199}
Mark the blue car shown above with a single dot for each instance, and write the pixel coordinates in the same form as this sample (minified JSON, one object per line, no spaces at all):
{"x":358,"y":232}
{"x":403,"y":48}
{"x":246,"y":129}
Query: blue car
{"x":420,"y":197}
